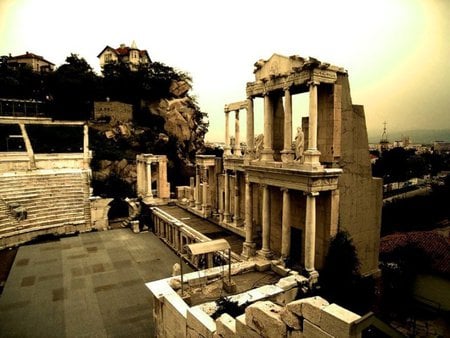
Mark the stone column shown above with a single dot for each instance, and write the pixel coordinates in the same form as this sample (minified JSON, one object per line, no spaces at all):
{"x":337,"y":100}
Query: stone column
{"x":237,"y":134}
{"x":192,"y":191}
{"x":312,"y":155}
{"x":197,"y":188}
{"x":310,"y":232}
{"x":85,"y":145}
{"x":226,"y":212}
{"x":267,"y":152}
{"x":236,"y":217}
{"x":205,"y":191}
{"x":265,"y":250}
{"x":227,"y":148}
{"x":248,"y":248}
{"x":286,"y":225}
{"x":250,"y":152}
{"x":149,"y":192}
{"x":287,"y":154}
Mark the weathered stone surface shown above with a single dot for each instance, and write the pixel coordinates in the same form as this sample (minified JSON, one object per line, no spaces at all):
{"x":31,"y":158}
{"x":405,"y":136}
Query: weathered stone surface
{"x":179,"y":88}
{"x":313,"y":331}
{"x":287,"y":283}
{"x":290,"y":319}
{"x":337,"y":320}
{"x":264,"y":317}
{"x":199,"y":323}
{"x":308,"y":308}
{"x":226,"y":326}
{"x":243,"y":330}
{"x":296,"y":334}
{"x":286,"y":297}
{"x":262,"y":266}
{"x":280,"y":270}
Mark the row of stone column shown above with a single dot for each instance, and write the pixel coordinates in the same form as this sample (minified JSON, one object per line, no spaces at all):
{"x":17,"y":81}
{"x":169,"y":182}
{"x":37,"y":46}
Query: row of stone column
{"x":227,"y":212}
{"x":311,"y":154}
{"x":310,"y":225}
{"x":200,"y":198}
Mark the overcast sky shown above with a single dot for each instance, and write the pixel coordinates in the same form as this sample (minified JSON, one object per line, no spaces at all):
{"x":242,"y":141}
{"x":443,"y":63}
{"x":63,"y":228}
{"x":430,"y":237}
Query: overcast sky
{"x":397,"y":52}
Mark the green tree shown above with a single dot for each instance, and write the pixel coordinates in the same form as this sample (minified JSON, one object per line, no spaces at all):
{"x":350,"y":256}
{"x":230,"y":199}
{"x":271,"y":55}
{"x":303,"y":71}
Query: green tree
{"x":340,"y":279}
{"x":73,"y":87}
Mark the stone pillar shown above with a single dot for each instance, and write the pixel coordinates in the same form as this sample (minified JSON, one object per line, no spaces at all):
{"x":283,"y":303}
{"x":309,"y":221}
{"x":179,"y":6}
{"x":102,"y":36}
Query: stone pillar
{"x":312,"y":155}
{"x":265,"y":250}
{"x":192,"y":191}
{"x":226,"y":212}
{"x":287,"y":154}
{"x":286,"y":225}
{"x":149,"y":192}
{"x":236,"y":217}
{"x":248,"y":248}
{"x":227,"y":148}
{"x":197,"y":188}
{"x":163,"y":185}
{"x":205,"y":191}
{"x":267,"y":152}
{"x":237,"y":135}
{"x":85,"y":145}
{"x":310,"y":233}
{"x":250,"y":152}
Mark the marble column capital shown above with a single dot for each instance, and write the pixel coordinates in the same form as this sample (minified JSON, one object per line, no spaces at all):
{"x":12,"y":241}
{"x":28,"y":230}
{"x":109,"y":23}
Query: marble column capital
{"x":284,"y":189}
{"x":313,"y":83}
{"x":311,"y":193}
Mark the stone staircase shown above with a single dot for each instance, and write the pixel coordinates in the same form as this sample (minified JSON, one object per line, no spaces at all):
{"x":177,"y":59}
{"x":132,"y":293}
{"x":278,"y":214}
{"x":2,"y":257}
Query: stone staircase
{"x":34,"y":203}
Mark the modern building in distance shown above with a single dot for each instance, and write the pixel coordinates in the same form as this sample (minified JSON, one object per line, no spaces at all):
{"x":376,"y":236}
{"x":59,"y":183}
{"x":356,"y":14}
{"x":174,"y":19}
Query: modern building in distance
{"x":36,"y":62}
{"x":124,"y":54}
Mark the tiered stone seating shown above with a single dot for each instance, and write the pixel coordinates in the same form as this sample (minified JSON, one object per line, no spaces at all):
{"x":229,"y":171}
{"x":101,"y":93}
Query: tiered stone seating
{"x":54,"y":201}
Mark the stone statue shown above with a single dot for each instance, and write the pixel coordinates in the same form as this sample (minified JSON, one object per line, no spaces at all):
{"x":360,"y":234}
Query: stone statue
{"x":299,"y":142}
{"x":259,"y":145}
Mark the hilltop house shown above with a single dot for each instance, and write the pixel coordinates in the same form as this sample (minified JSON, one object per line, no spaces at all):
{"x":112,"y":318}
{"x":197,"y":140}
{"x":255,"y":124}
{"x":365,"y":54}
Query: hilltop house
{"x":36,"y":62}
{"x":124,"y":54}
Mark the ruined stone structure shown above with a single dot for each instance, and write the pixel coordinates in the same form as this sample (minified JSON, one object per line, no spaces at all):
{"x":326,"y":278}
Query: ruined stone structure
{"x":288,"y":205}
{"x":43,"y":193}
{"x":145,"y":175}
{"x":117,"y":111}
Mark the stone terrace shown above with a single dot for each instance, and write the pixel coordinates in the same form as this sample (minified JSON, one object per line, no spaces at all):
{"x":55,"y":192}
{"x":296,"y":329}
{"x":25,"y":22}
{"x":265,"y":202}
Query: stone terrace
{"x":91,"y":285}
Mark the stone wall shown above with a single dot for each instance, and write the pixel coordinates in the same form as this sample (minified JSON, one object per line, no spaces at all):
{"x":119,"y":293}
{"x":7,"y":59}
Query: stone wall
{"x":117,"y":111}
{"x":360,"y":193}
{"x":273,"y":310}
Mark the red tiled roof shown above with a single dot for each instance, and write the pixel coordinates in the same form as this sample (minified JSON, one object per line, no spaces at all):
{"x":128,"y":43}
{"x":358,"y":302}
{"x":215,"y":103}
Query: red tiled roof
{"x":433,"y":244}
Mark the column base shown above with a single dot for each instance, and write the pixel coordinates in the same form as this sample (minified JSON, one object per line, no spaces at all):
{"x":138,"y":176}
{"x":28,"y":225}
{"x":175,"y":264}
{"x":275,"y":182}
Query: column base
{"x":206,"y":210}
{"x":248,"y":249}
{"x":191,"y":203}
{"x":311,"y":160}
{"x":267,"y":155}
{"x":198,"y":205}
{"x":313,"y":277}
{"x":226,"y":218}
{"x":287,"y":156}
{"x":226,"y":151}
{"x":265,"y":253}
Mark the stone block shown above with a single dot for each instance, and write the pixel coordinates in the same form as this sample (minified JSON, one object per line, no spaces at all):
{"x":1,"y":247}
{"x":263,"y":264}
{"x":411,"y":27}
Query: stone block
{"x":285,"y":297}
{"x":264,"y":317}
{"x":262,"y":266}
{"x":226,"y":326}
{"x":308,"y":308}
{"x":291,"y":320}
{"x":243,"y":330}
{"x":199,"y":323}
{"x":287,"y":283}
{"x":313,"y":331}
{"x":280,"y":269}
{"x":338,"y":320}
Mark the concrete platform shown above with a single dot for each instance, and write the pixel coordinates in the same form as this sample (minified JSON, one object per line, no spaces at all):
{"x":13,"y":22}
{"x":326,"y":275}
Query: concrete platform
{"x":91,"y":285}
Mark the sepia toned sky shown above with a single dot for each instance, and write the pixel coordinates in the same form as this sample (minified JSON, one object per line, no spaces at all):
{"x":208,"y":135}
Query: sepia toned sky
{"x":397,"y":52}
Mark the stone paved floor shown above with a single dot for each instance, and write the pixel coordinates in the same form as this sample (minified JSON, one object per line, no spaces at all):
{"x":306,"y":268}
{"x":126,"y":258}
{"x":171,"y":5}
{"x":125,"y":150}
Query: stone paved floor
{"x":91,"y":285}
